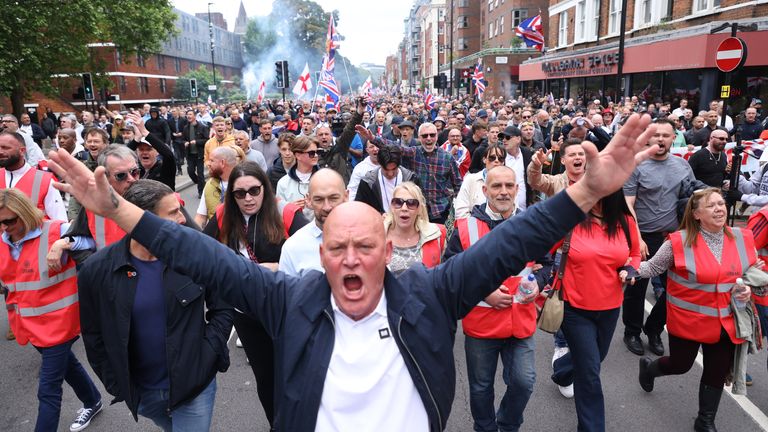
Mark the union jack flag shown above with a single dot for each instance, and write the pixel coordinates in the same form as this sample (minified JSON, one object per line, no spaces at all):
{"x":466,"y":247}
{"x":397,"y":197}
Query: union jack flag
{"x":530,"y":31}
{"x":429,"y":101}
{"x":478,"y":79}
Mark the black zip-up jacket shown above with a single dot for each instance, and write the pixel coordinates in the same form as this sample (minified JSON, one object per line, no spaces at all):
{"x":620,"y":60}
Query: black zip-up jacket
{"x":423,"y":305}
{"x":163,"y":170}
{"x":196,"y":350}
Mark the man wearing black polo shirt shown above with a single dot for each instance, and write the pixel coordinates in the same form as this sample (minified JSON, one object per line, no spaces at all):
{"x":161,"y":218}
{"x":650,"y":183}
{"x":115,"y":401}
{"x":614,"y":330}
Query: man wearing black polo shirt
{"x":710,"y":164}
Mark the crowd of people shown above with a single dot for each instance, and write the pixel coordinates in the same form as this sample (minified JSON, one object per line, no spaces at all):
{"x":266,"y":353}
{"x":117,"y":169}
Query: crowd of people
{"x":344,"y":244}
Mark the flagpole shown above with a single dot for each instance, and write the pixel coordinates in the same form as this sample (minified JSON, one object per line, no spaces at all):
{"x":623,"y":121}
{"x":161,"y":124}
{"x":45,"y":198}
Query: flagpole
{"x":348,"y":80}
{"x":317,"y":87}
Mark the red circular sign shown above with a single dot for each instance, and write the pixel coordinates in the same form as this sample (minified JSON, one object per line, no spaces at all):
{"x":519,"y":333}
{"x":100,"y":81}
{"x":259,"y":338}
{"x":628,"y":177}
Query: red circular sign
{"x":731,"y":54}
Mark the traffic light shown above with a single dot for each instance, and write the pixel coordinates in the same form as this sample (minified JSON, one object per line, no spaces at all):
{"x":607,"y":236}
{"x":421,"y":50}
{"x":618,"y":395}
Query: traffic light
{"x":436,"y":82}
{"x":443,"y":81}
{"x":281,"y":74}
{"x":192,"y":88}
{"x":87,"y":87}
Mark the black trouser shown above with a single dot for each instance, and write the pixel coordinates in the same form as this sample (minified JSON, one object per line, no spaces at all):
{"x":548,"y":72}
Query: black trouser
{"x":633,"y":308}
{"x":179,"y":151}
{"x":718,"y":357}
{"x":258,"y":347}
{"x":196,"y":170}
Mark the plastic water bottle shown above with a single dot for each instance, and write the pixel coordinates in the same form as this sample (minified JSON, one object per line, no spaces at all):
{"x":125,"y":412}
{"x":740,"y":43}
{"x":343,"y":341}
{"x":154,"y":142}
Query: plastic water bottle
{"x":527,"y":286}
{"x":740,"y":304}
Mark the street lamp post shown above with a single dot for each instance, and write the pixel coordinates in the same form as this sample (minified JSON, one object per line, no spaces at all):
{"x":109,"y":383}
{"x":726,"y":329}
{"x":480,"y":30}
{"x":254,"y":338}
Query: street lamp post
{"x":213,"y":45}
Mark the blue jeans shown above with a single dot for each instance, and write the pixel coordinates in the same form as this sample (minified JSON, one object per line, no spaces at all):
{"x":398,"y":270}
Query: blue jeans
{"x":589,"y":335}
{"x":193,"y":416}
{"x":59,"y":364}
{"x":517,"y":359}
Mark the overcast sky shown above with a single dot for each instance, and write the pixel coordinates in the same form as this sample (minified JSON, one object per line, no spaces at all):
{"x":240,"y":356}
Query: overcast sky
{"x":372,"y":29}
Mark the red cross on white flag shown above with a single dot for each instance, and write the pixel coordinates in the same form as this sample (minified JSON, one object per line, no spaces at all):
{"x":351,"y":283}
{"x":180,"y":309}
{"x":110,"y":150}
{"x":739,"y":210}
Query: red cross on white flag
{"x":304,"y":83}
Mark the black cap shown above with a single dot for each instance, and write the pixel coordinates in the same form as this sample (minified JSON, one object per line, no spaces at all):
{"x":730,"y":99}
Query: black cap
{"x":510,"y":131}
{"x":406,"y":123}
{"x":396,"y":120}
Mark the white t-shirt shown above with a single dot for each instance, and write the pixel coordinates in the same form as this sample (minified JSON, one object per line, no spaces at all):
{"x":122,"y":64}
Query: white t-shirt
{"x":367,"y":385}
{"x":517,"y":164}
{"x":54,"y":204}
{"x":202,"y":209}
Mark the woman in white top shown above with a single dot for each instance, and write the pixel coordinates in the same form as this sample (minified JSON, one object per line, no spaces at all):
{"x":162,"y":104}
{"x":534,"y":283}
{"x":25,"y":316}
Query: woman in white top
{"x":471,"y":192}
{"x":294,"y":186}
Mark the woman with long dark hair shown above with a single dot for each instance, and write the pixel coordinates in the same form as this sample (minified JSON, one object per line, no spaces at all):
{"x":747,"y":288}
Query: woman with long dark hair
{"x":252,"y":223}
{"x":602,"y":249}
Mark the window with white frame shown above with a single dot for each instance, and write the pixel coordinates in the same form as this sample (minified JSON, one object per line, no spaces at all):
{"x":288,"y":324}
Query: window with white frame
{"x":587,"y":16}
{"x":491,"y":28}
{"x":518,"y":16}
{"x":463,"y":21}
{"x":705,"y":5}
{"x":614,"y":17}
{"x":595,"y":28}
{"x":501,"y":25}
{"x":562,"y":31}
{"x":581,"y":21}
{"x":651,"y":12}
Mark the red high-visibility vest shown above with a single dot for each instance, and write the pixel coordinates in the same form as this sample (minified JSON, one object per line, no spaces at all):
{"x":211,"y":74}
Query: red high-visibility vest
{"x":287,"y":210}
{"x":762,"y":249}
{"x":483,"y":321}
{"x":699,"y":288}
{"x":34,"y":183}
{"x":432,"y":251}
{"x":104,"y":231}
{"x":42,"y":306}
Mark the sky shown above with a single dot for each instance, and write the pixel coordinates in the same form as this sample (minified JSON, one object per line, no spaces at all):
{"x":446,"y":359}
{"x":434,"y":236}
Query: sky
{"x":373,"y":29}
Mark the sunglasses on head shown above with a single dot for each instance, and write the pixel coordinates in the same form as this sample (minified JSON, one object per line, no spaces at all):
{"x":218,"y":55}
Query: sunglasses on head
{"x":123,"y":176}
{"x":9,"y":222}
{"x":240,"y":193}
{"x":411,"y":203}
{"x":428,"y":135}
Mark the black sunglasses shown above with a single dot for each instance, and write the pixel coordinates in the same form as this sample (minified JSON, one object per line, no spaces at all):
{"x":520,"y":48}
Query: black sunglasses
{"x":123,"y":176}
{"x":9,"y":222}
{"x":412,"y":203}
{"x":494,"y":158}
{"x":428,"y":135}
{"x":240,"y":193}
{"x":311,"y":153}
{"x":504,"y":137}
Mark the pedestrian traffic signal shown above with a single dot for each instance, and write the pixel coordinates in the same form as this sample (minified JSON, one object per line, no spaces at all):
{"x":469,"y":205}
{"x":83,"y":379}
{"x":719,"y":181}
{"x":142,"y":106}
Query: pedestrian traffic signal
{"x":443,"y":81}
{"x":281,"y":74}
{"x":192,"y":88}
{"x":87,"y":87}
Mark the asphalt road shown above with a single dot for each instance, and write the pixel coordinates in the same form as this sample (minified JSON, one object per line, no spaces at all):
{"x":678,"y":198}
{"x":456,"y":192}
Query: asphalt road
{"x":671,"y":407}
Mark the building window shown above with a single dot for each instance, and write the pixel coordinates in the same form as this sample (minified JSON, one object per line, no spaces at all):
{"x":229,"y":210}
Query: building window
{"x":140,"y":60}
{"x":463,"y":3}
{"x":177,"y":65}
{"x":191,"y":65}
{"x":587,"y":15}
{"x":490,"y":5}
{"x":562,"y":31}
{"x":614,"y":17}
{"x":651,"y":12}
{"x":595,"y":19}
{"x":581,"y":21}
{"x":143,"y":83}
{"x":462,"y":44}
{"x":463,"y":21}
{"x":501,"y":24}
{"x":491,"y":28}
{"x":123,"y":84}
{"x":118,"y":57}
{"x":163,"y":87}
{"x":160,"y":62}
{"x":705,"y":5}
{"x":518,"y":16}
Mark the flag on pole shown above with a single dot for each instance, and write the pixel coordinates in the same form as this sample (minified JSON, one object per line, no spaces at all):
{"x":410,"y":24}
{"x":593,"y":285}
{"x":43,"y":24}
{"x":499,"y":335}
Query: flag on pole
{"x":429,"y":101}
{"x":478,"y":79}
{"x":261,"y":94}
{"x":530,"y":31}
{"x":304,"y":83}
{"x":366,"y":87}
{"x":327,"y":79}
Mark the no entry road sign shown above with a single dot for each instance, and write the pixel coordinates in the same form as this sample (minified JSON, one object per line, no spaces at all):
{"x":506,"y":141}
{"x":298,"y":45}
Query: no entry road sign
{"x":731,"y":54}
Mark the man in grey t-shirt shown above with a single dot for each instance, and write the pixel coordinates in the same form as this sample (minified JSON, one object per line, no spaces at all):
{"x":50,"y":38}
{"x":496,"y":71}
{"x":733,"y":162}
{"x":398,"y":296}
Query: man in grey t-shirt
{"x":652,"y":193}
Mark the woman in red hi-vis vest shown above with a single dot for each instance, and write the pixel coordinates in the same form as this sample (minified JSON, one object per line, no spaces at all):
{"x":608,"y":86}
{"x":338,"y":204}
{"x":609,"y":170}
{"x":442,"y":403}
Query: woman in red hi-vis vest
{"x":414,"y":238}
{"x":602,"y":250}
{"x":40,"y":289}
{"x":704,"y":259}
{"x":252,"y":223}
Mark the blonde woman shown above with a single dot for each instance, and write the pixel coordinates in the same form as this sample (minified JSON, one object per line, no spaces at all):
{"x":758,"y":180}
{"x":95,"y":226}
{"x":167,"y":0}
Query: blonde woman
{"x":414,"y":238}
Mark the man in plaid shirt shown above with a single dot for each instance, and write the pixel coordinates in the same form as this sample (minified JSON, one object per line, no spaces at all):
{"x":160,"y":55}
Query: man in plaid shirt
{"x":435,"y":168}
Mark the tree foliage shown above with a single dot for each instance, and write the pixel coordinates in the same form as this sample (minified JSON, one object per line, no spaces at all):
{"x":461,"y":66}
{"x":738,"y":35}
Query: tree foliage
{"x":226,"y":92}
{"x":49,"y":37}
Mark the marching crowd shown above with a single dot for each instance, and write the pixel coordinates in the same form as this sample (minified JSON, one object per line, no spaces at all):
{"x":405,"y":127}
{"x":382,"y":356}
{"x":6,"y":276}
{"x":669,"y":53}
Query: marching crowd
{"x":344,"y":245}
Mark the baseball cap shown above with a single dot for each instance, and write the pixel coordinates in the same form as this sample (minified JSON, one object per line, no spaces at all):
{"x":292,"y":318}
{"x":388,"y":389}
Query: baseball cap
{"x":406,"y":123}
{"x":510,"y":131}
{"x":482,"y":113}
{"x":396,"y":120}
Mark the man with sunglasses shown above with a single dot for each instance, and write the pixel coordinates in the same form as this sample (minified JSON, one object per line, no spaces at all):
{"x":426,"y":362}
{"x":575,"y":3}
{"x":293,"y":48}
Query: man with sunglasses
{"x":156,"y":161}
{"x":710,"y":164}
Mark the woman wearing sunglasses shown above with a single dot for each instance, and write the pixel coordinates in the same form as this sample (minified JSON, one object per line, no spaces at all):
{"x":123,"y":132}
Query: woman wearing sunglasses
{"x":415,"y":239}
{"x":294,"y":186}
{"x":42,"y":304}
{"x":471,"y":192}
{"x":253,"y":224}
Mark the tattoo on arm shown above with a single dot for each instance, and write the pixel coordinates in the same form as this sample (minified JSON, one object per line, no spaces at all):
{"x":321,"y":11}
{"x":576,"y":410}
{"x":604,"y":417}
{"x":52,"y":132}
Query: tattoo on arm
{"x":113,"y":197}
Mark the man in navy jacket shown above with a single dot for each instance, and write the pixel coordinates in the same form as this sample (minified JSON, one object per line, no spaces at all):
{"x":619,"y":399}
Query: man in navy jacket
{"x":325,"y":377}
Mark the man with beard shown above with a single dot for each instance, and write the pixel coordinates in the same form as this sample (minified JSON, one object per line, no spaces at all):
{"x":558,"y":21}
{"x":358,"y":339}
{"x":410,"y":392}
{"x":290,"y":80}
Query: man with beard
{"x":148,"y":147}
{"x":652,"y":194}
{"x":33,"y":154}
{"x":710,"y":164}
{"x":702,"y":136}
{"x":16,"y":173}
{"x":335,"y":155}
{"x":220,"y":138}
{"x":266,"y":142}
{"x":300,"y":251}
{"x":223,"y":160}
{"x":696,"y":124}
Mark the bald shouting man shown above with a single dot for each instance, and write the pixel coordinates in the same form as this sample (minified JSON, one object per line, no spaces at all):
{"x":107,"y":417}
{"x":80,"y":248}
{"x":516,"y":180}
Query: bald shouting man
{"x":356,"y":348}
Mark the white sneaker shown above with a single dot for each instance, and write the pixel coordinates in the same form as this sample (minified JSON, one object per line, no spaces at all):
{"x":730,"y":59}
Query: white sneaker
{"x":566,"y":391}
{"x":559,"y":352}
{"x":238,"y":343}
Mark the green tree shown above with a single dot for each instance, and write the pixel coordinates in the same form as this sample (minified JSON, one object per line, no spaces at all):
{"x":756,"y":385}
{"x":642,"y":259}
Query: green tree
{"x":204,"y":76}
{"x":48,"y":37}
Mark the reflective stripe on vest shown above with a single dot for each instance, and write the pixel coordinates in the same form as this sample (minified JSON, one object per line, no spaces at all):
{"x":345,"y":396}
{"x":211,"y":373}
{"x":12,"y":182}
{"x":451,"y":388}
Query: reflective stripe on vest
{"x":526,"y":271}
{"x":704,"y":310}
{"x":42,"y":263}
{"x":50,"y":307}
{"x":36,"y":186}
{"x":690,"y":266}
{"x":100,"y":236}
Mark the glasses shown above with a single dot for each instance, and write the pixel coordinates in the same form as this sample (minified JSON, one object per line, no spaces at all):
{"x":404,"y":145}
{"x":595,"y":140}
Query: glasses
{"x":411,"y":203}
{"x":228,"y":123}
{"x":240,"y":193}
{"x":494,"y":158}
{"x":311,"y":153}
{"x":428,"y":135}
{"x":123,"y":176}
{"x":526,"y":117}
{"x":12,"y":221}
{"x":504,"y":137}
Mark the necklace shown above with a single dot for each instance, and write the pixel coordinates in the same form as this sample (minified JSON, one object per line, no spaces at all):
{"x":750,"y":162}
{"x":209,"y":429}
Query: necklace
{"x":403,"y":240}
{"x":712,"y":156}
